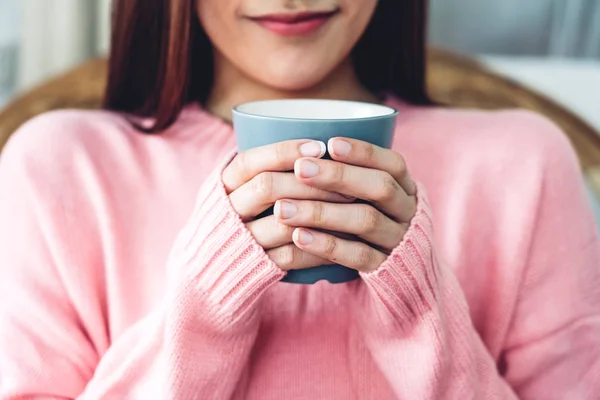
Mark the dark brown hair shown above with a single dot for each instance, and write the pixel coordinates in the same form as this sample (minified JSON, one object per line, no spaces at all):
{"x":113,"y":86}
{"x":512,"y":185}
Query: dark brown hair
{"x":156,"y":44}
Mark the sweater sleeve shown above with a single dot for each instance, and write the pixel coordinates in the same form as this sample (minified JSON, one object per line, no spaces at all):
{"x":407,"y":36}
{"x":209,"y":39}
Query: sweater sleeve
{"x":417,"y":324}
{"x":196,"y":343}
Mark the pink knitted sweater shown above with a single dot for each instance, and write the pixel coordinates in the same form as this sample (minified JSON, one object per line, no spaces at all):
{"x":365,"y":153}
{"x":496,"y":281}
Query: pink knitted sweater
{"x":126,"y":274}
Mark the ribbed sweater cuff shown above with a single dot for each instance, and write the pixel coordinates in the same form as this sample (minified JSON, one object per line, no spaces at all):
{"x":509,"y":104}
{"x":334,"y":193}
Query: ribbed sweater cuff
{"x":406,"y":283}
{"x":220,"y":259}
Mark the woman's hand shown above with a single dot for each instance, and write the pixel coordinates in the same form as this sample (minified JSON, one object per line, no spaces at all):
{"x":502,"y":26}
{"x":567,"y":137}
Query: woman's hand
{"x":364,"y":171}
{"x":257,"y":178}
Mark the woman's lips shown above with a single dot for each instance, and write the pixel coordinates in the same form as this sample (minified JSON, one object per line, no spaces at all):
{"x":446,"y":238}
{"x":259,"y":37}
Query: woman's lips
{"x":294,"y":24}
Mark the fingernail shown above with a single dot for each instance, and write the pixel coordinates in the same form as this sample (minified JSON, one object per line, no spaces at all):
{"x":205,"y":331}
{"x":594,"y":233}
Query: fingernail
{"x":340,"y":147}
{"x":285,"y":210}
{"x":303,"y":237}
{"x":313,"y":149}
{"x":307,"y":169}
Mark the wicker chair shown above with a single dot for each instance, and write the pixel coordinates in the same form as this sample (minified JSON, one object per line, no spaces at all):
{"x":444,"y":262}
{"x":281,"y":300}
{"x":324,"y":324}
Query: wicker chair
{"x":454,"y":80}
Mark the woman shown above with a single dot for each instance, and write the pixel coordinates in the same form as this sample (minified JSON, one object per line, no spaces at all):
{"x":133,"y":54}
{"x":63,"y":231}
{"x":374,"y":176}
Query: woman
{"x":484,"y":287}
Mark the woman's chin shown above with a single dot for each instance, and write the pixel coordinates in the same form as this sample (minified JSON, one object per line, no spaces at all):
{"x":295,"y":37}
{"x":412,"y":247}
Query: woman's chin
{"x":290,"y":82}
{"x":293,"y":88}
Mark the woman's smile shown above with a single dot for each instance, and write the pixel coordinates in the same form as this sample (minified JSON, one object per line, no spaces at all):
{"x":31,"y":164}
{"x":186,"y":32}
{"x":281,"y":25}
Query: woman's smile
{"x":298,"y":24}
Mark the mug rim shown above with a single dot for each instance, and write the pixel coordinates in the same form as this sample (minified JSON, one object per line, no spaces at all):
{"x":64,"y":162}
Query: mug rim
{"x":237,"y":110}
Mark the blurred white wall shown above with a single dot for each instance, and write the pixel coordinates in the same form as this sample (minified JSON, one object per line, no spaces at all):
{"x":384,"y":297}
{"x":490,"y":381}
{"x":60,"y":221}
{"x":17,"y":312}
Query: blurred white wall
{"x":9,"y":21}
{"x":560,"y":28}
{"x":57,"y":34}
{"x":9,"y":40}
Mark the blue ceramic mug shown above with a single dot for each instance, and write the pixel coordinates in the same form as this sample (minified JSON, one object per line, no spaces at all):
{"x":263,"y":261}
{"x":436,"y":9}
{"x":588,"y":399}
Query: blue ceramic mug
{"x":266,"y":122}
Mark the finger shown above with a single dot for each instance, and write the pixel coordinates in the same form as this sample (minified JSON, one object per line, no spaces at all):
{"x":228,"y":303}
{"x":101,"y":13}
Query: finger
{"x":363,"y":154}
{"x":264,"y":189}
{"x":275,"y":157}
{"x":355,"y":255}
{"x":362,"y":220}
{"x":270,"y":233}
{"x":375,"y":186}
{"x":290,"y":257}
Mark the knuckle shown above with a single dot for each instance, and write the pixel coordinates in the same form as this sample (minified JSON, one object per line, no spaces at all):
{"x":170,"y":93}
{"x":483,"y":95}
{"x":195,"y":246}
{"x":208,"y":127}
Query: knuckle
{"x":400,"y":167}
{"x":280,"y":153}
{"x":263,"y":185}
{"x":242,"y":161}
{"x":338,"y":172}
{"x":258,"y":231}
{"x":236,"y":173}
{"x":369,"y":152}
{"x":370,"y":219}
{"x":363,"y":258}
{"x":286,"y":257}
{"x":318,"y":213}
{"x":389,"y":188}
{"x":330,"y":249}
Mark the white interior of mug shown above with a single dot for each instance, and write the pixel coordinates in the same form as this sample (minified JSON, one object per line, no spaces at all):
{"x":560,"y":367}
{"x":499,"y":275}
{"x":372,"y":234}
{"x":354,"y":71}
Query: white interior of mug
{"x":314,"y":109}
